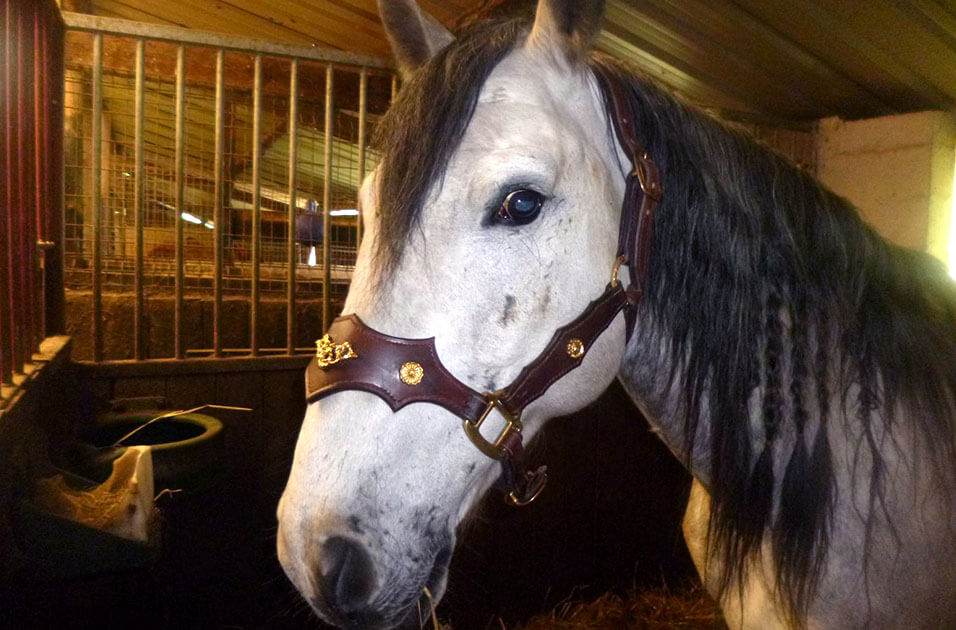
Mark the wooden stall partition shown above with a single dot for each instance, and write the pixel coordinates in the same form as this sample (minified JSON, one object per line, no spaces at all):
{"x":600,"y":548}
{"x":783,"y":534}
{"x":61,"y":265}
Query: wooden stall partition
{"x":31,"y":123}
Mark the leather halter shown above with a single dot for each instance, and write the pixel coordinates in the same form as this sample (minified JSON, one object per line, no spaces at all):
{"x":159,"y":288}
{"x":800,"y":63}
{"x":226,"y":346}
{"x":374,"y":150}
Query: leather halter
{"x":353,"y":356}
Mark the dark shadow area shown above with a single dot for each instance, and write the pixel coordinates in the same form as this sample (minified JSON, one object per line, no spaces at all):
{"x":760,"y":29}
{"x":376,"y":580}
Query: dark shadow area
{"x":609,"y":520}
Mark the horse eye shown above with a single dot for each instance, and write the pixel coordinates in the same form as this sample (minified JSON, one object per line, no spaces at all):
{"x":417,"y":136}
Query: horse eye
{"x":520,"y":207}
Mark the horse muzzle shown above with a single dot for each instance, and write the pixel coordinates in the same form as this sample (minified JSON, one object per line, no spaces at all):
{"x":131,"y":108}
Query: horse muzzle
{"x":351,"y":584}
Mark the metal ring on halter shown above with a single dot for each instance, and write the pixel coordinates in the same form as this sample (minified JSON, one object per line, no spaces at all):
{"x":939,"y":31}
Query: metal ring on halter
{"x":536,"y":481}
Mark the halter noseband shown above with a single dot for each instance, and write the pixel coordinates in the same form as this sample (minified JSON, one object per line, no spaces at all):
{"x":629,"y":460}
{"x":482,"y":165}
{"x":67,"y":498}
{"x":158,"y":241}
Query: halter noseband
{"x":353,"y":356}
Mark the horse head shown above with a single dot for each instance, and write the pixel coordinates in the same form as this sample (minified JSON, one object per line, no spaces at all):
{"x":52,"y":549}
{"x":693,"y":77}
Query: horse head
{"x":491,"y":222}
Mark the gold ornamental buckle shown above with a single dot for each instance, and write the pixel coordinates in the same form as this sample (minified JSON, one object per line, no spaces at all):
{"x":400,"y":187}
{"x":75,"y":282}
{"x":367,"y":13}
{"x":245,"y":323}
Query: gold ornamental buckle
{"x":327,"y":352}
{"x":492,"y":449}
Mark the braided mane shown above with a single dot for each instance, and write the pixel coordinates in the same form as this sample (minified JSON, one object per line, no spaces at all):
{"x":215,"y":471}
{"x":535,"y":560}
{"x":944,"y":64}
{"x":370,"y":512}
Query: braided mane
{"x":773,"y":291}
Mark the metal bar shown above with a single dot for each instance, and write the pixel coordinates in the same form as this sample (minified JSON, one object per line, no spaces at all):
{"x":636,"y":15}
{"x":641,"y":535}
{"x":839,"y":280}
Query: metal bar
{"x":96,"y":188}
{"x":139,"y":186}
{"x":6,"y":227}
{"x":175,"y":34}
{"x":256,"y":206}
{"x":180,"y":164}
{"x":293,"y":182}
{"x":56,"y":293}
{"x":362,"y":107}
{"x":41,"y":147}
{"x":217,"y":209}
{"x":25,"y":233}
{"x":327,"y":199}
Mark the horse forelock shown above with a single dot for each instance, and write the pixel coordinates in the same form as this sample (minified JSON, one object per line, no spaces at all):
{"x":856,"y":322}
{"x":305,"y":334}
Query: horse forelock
{"x":424,"y":127}
{"x":837,"y":310}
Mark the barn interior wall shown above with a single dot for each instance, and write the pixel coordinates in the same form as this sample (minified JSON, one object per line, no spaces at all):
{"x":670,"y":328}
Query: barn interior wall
{"x":608,"y":522}
{"x":898,"y":170}
{"x":33,"y":423}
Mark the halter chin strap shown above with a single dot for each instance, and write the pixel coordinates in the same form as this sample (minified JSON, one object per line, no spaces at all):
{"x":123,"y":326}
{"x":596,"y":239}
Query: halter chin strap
{"x":353,"y":356}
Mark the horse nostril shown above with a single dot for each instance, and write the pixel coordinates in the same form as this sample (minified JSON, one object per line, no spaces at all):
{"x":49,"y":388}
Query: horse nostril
{"x":345,"y":575}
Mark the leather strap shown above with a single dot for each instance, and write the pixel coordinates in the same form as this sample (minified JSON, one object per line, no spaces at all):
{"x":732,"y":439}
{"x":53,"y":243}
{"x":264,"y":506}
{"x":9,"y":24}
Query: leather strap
{"x":381,"y":364}
{"x":641,"y":194}
{"x":378,"y":364}
{"x":377,"y":369}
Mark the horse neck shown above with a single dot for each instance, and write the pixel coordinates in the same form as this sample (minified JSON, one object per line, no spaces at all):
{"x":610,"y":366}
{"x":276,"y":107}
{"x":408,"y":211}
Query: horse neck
{"x":656,"y":386}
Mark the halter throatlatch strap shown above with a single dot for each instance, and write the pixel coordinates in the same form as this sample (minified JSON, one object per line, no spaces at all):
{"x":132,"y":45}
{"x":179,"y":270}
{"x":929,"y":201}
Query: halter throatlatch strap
{"x":352,"y":356}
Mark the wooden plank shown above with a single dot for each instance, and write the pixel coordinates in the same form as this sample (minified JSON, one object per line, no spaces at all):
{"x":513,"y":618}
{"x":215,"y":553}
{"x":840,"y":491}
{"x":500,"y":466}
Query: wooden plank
{"x":741,"y":49}
{"x":170,"y":367}
{"x":679,"y":44}
{"x":232,"y":42}
{"x":681,"y":82}
{"x":139,"y":386}
{"x":244,"y":430}
{"x":283,"y":408}
{"x":890,"y":27}
{"x":352,"y":30}
{"x":185,"y":391}
{"x":299,"y":23}
{"x":943,"y":21}
{"x":214,"y":16}
{"x":818,"y":29}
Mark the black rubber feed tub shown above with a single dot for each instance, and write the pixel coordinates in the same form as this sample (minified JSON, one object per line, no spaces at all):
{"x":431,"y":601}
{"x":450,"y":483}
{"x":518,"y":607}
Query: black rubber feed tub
{"x":188,"y":450}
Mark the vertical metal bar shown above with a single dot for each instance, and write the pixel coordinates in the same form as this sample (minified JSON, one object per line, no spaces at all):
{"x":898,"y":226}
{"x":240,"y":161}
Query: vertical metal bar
{"x":56,"y":293}
{"x":139,"y":187}
{"x":293,"y":182}
{"x":16,"y":208}
{"x":218,"y":210}
{"x":96,"y":188}
{"x":40,"y":156}
{"x":6,"y":197}
{"x":25,"y":234}
{"x":327,"y":200}
{"x":256,"y":206}
{"x":362,"y":107}
{"x":180,"y":163}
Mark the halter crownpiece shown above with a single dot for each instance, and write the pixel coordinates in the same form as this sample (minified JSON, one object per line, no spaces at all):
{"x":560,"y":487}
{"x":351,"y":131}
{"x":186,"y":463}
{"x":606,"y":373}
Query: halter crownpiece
{"x":403,"y":371}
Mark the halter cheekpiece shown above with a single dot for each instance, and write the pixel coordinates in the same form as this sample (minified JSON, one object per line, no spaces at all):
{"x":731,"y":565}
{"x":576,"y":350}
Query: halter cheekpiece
{"x":353,"y":356}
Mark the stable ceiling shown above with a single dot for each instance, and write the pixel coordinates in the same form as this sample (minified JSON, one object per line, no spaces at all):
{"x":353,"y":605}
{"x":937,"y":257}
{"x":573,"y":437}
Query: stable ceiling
{"x":772,"y":60}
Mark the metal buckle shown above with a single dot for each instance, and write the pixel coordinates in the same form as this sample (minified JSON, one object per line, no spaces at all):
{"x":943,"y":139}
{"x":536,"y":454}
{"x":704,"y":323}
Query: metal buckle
{"x":649,"y":186}
{"x":615,"y":269}
{"x":534,"y":483}
{"x":492,"y":449}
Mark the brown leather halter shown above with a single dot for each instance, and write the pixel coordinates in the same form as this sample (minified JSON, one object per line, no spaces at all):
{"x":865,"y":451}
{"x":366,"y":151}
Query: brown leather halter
{"x":403,"y":371}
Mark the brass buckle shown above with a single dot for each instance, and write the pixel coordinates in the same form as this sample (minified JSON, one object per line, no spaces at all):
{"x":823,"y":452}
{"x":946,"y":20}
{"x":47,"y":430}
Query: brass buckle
{"x":492,"y":449}
{"x":534,"y":484}
{"x":648,"y":186}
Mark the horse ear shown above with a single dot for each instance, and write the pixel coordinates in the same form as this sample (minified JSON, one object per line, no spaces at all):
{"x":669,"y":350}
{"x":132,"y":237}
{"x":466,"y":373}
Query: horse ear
{"x":570,"y":25}
{"x":415,"y":36}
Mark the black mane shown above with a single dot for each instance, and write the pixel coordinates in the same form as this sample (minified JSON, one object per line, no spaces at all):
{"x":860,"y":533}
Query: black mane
{"x":425,"y":124}
{"x":762,"y":278}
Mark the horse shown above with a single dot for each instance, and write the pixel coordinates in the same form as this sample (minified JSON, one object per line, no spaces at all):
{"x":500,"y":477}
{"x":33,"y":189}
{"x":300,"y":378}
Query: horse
{"x":545,"y":219}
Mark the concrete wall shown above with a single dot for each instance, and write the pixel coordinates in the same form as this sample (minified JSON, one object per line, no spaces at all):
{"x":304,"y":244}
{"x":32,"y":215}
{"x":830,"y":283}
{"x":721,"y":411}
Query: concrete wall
{"x":898,"y":170}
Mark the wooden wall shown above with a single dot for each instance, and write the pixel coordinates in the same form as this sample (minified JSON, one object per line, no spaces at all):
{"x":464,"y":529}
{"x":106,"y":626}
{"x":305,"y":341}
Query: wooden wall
{"x":608,"y":520}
